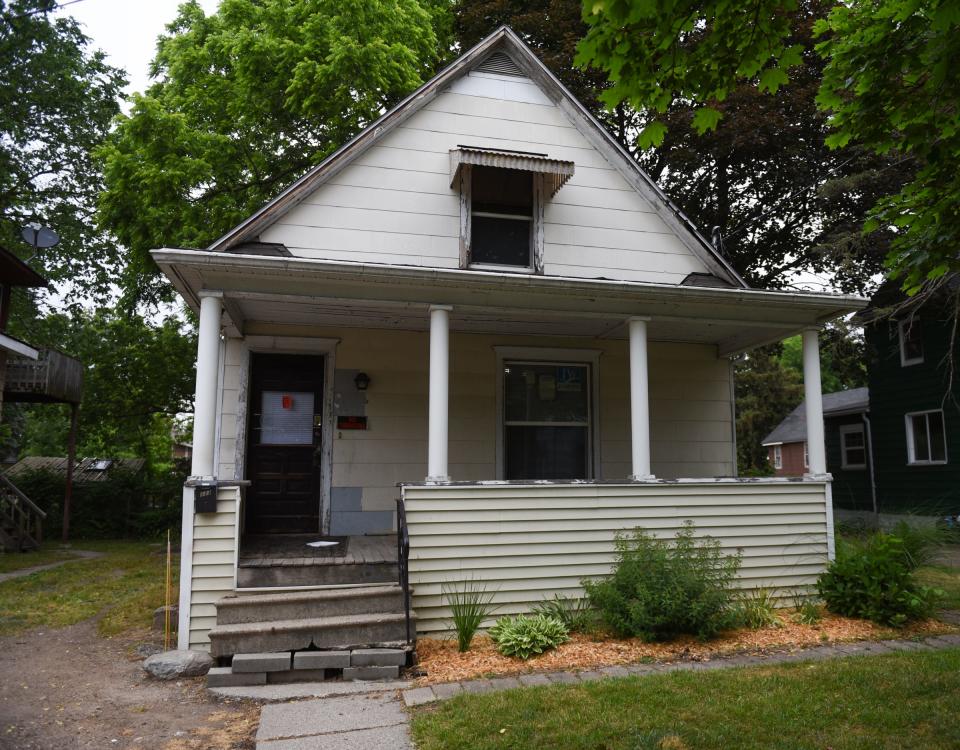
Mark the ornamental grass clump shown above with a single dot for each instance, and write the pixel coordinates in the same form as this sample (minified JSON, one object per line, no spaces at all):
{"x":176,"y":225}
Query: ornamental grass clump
{"x":470,"y":604}
{"x":525,"y":636}
{"x":873,"y":579}
{"x":660,"y":589}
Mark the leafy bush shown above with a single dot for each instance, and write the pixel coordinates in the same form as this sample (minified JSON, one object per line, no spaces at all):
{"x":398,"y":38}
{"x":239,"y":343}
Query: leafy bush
{"x":873,"y":579}
{"x":661,"y":589}
{"x":525,"y":636}
{"x":576,"y":614}
{"x":470,"y":604}
{"x":758,"y":609}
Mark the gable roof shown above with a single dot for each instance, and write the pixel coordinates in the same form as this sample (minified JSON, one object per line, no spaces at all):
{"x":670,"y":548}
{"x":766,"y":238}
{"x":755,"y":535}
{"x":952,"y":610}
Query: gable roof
{"x":793,"y":429}
{"x":501,"y":42}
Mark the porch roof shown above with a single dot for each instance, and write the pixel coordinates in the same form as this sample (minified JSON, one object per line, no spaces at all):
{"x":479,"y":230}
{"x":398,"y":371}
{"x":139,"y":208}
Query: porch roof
{"x":289,"y":291}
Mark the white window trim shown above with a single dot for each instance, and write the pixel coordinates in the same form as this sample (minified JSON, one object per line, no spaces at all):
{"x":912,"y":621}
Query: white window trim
{"x":536,"y":226}
{"x":778,"y":456}
{"x":904,"y":361}
{"x":908,"y":421}
{"x":551,"y":355}
{"x":852,"y":429}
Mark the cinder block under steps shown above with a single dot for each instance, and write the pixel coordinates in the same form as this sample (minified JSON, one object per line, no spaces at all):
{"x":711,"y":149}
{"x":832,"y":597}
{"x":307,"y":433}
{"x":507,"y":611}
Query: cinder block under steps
{"x":309,"y":666}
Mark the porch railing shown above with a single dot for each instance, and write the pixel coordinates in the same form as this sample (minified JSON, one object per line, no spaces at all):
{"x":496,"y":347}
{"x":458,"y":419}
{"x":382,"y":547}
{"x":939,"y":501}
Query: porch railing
{"x":21,"y":521}
{"x":403,"y":557}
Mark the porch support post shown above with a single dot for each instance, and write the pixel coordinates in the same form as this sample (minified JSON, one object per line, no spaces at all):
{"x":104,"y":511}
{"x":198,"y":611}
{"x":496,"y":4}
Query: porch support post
{"x":816,"y":452}
{"x":639,"y":400}
{"x":437,"y":470}
{"x":208,"y":367}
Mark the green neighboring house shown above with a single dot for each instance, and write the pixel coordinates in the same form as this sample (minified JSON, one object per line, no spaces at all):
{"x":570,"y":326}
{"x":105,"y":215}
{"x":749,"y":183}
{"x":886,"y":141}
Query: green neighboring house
{"x":894,"y":447}
{"x":914,"y":404}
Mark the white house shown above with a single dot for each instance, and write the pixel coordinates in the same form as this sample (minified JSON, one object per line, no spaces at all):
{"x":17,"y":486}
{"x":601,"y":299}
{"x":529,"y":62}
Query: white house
{"x":482,"y":307}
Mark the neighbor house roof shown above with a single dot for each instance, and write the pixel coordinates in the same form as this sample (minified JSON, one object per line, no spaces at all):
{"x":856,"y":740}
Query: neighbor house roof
{"x":793,"y":429}
{"x":85,"y":470}
{"x":501,"y":42}
{"x":14,"y":272}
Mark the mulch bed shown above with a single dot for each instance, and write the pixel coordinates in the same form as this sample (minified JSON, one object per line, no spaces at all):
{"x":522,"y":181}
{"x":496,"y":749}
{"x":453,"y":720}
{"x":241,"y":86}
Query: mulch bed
{"x":439,"y":660}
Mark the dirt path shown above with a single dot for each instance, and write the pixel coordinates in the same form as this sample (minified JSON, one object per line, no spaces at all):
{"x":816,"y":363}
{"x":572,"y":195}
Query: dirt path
{"x":70,"y":688}
{"x":80,"y":554}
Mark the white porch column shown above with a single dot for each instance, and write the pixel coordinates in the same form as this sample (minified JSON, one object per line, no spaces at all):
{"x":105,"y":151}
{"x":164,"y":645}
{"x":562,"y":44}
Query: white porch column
{"x":816,"y":451}
{"x":208,"y":367}
{"x":439,"y":393}
{"x":639,"y":400}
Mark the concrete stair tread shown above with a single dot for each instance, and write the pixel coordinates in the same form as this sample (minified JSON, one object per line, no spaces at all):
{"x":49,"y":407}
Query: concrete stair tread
{"x":312,"y":596}
{"x":313,"y":623}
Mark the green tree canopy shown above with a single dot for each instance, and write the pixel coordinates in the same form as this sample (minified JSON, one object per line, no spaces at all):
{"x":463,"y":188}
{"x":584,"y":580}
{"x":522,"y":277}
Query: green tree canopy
{"x":890,"y":85}
{"x":57,"y":100}
{"x":247,"y":100}
{"x":137,"y":378}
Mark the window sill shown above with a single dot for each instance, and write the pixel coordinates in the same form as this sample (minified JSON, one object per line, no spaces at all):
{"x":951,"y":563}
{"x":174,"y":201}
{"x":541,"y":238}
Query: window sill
{"x":853,"y":467}
{"x":910,"y":362}
{"x":927,"y":463}
{"x":499,"y":269}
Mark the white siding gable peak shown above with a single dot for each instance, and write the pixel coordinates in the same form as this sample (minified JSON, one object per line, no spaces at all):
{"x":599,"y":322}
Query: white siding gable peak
{"x":493,"y":62}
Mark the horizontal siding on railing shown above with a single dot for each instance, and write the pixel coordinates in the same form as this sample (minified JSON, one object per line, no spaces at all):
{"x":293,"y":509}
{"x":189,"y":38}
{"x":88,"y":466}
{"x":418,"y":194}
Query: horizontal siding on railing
{"x":214,"y":563}
{"x":529,"y":542}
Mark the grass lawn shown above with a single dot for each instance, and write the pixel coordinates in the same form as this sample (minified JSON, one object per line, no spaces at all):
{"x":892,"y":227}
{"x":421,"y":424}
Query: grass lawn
{"x":896,"y":701}
{"x":127,"y":583}
{"x":50,"y":552}
{"x":944,"y":578}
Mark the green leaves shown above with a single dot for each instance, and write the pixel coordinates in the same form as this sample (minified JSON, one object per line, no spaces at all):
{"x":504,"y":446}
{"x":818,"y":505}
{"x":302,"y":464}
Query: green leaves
{"x":652,"y":134}
{"x":246,"y":101}
{"x":658,"y":54}
{"x":524,"y":636}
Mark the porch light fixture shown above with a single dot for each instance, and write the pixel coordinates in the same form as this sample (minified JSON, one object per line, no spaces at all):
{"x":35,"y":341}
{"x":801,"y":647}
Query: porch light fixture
{"x":362,"y":381}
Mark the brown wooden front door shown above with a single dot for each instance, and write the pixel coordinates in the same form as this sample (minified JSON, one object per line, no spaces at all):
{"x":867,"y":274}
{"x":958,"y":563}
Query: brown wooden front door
{"x":283,"y":447}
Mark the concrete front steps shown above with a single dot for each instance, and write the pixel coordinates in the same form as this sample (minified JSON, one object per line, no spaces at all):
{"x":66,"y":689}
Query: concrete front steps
{"x":310,"y":666}
{"x":340,"y":633}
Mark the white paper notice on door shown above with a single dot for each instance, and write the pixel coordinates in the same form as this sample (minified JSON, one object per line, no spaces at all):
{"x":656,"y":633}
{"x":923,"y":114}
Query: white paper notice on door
{"x":286,"y":418}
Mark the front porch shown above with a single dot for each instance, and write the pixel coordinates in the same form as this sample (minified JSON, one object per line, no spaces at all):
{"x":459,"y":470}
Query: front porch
{"x":453,"y":385}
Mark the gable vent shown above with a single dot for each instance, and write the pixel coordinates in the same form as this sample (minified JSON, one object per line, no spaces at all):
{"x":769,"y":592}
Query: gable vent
{"x":500,"y":62}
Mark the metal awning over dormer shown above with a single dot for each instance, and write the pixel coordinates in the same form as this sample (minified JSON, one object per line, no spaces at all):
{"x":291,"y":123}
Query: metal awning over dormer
{"x":556,"y":172}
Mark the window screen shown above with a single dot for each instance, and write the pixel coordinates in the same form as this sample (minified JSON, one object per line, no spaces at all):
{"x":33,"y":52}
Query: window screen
{"x":286,"y":418}
{"x":501,"y":217}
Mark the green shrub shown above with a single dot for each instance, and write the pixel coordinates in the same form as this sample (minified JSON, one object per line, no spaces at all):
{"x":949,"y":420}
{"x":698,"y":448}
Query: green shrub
{"x":470,"y":604}
{"x":576,"y":614}
{"x":921,"y":544}
{"x":525,"y":636}
{"x":661,"y":589}
{"x":806,"y":611}
{"x":873,"y":579}
{"x":758,"y":609}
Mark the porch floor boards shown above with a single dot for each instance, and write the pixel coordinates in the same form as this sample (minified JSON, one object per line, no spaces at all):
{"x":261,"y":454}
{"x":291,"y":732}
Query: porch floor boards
{"x":264,"y":551}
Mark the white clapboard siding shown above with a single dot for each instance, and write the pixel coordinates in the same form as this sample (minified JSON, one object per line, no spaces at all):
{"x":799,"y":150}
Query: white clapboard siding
{"x":394,"y":202}
{"x":529,"y":542}
{"x":214,"y":563}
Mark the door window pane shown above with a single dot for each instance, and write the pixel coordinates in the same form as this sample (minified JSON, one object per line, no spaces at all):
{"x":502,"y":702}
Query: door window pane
{"x":286,"y":418}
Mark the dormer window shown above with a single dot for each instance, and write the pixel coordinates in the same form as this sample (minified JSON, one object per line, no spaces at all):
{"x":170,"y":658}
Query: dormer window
{"x":502,"y":199}
{"x":501,"y":218}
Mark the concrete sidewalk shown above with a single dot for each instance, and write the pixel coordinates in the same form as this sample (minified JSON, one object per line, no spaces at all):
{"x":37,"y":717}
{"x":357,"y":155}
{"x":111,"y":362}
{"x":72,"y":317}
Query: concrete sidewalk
{"x":376,"y":721}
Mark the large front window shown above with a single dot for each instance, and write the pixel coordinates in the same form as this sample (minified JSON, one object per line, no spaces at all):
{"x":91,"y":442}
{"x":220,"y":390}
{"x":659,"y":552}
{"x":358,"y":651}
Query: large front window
{"x":546,"y":420}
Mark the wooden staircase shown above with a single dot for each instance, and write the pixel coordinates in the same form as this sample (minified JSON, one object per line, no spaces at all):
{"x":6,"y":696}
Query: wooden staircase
{"x":21,"y":521}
